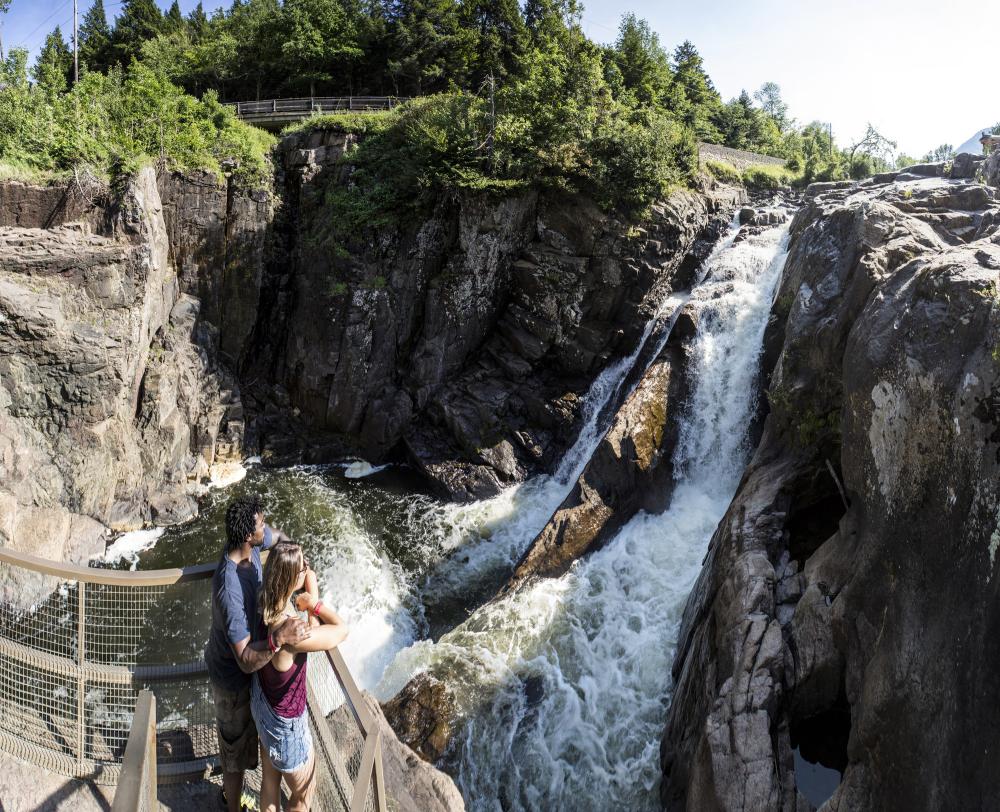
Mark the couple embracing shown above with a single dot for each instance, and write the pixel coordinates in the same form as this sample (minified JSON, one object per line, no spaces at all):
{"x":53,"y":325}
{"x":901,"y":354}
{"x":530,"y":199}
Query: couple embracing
{"x":256,"y":657}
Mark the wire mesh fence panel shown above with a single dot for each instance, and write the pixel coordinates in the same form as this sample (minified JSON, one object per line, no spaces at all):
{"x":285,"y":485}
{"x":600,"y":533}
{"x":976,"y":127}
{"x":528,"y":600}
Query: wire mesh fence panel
{"x":77,"y":646}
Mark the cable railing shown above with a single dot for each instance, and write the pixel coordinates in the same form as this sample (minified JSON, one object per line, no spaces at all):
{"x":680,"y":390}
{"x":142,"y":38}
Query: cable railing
{"x":79,"y":645}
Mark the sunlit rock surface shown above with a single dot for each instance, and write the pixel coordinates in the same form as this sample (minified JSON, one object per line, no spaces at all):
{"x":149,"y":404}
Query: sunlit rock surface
{"x":883,"y":612}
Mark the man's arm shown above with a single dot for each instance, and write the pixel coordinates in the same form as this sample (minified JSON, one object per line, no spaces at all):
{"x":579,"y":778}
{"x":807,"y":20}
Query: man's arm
{"x":272,"y":536}
{"x":252,"y":657}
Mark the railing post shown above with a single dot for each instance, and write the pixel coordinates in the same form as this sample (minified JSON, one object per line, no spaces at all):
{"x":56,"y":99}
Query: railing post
{"x":151,"y":753}
{"x":81,"y":654}
{"x":139,"y":763}
{"x":380,"y":804}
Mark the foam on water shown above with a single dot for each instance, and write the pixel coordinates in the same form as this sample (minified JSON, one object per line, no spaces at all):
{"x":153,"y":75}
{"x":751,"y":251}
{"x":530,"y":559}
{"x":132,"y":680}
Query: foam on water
{"x":128,"y":546}
{"x":563,"y":686}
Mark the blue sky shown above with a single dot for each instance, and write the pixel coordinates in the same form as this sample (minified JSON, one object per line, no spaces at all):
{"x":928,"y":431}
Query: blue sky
{"x":923,"y":72}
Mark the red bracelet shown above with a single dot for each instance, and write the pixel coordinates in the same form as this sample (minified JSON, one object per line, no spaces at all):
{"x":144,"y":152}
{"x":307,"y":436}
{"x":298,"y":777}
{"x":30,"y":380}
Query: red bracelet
{"x":315,"y":610}
{"x":270,"y":643}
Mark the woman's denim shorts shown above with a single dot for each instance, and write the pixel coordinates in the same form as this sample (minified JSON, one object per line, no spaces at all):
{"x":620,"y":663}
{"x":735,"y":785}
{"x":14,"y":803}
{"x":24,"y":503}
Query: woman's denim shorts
{"x":287,"y":742}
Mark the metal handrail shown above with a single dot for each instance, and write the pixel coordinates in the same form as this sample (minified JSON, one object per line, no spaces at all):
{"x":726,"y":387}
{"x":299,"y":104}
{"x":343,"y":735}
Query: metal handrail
{"x":312,"y":104}
{"x":138,"y":776}
{"x":83,"y":670}
{"x":98,"y":575}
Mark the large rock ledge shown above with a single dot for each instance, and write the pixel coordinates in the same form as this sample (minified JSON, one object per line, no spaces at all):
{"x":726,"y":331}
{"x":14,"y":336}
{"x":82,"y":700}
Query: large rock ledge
{"x":462,"y":341}
{"x":870,"y":631}
{"x":114,"y":402}
{"x":631,"y":469}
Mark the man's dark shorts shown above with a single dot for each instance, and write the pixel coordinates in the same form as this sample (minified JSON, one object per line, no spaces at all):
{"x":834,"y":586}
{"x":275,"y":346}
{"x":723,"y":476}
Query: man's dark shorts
{"x":237,"y":732}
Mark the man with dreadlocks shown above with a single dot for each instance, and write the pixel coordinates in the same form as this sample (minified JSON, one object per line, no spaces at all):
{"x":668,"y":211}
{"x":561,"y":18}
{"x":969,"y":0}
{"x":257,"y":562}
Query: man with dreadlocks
{"x":230,"y":655}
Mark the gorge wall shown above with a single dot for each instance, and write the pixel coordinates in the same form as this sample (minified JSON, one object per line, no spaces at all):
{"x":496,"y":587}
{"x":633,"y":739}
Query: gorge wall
{"x":113,"y":400}
{"x":463,"y":340}
{"x":152,"y":331}
{"x":861,"y":623}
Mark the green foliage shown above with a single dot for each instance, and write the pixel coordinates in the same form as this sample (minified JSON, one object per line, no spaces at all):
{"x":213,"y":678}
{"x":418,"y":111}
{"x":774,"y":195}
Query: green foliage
{"x":768,"y":176}
{"x":54,"y":66}
{"x":511,"y":97}
{"x":723,"y":171}
{"x":115,"y":122}
{"x":642,"y":63}
{"x":138,"y":21}
{"x":697,"y":101}
{"x":95,"y":38}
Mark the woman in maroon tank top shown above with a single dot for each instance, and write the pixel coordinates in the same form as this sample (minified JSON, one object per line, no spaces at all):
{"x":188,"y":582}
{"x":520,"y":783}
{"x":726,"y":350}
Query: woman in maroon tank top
{"x":278,"y":691}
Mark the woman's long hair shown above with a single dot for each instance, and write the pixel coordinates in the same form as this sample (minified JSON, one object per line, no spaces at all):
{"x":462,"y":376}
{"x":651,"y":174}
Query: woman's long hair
{"x":284,"y":564}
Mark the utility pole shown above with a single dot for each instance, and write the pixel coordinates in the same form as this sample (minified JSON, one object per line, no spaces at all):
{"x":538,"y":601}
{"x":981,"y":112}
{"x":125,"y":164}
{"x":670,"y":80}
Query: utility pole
{"x":491,"y":82}
{"x":76,"y":46}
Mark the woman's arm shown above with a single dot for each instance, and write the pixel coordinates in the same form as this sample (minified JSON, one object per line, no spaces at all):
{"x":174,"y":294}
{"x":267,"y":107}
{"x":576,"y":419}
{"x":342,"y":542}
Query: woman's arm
{"x":312,"y":587}
{"x":323,"y":638}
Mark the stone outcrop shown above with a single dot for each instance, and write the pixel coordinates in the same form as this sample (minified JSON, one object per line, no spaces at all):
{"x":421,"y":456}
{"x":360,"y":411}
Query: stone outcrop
{"x":113,"y":404}
{"x":631,"y":469}
{"x":848,"y":596}
{"x":411,"y":784}
{"x":462,"y":341}
{"x":218,"y":235}
{"x":991,"y":169}
{"x":421,"y":714}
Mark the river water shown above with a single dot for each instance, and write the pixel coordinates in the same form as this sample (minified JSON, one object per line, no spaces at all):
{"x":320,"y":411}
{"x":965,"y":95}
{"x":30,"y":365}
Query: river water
{"x":561,"y":688}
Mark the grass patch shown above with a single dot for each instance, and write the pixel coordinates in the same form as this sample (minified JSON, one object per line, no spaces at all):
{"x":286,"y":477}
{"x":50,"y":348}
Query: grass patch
{"x":768,"y":176}
{"x":354,"y":123}
{"x":723,"y":171}
{"x":29,"y":174}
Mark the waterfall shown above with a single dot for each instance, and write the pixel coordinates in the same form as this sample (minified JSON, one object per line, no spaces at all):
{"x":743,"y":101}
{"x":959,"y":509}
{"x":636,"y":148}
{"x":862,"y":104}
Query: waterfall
{"x":562,"y":687}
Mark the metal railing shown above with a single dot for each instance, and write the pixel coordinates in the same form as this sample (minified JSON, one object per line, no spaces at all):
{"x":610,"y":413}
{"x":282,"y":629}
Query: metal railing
{"x":304,"y":107}
{"x":78,"y":645}
{"x":137,"y":787}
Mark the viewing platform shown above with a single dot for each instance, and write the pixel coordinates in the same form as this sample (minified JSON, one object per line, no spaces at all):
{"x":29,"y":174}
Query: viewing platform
{"x":102,"y":680}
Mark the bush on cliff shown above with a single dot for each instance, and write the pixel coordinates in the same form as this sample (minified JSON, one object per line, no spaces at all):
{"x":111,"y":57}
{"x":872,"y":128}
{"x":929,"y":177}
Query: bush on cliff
{"x":115,"y":121}
{"x":414,"y":156}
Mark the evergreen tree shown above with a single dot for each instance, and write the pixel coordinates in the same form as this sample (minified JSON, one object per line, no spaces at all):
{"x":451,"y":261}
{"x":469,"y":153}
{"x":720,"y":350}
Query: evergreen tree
{"x":552,"y":19}
{"x":173,"y":20}
{"x":95,"y":38}
{"x":428,"y":47}
{"x":702,"y":103}
{"x":502,"y":39}
{"x":54,"y":64}
{"x":139,"y":21}
{"x":198,"y":23}
{"x":642,"y":62}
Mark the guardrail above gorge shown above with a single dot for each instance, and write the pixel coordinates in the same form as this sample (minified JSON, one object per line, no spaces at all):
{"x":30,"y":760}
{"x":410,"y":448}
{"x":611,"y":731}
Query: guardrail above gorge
{"x":274,"y":114}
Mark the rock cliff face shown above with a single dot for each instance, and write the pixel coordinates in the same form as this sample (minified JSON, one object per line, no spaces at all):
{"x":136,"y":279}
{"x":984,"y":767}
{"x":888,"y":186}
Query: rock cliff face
{"x":860,"y":624}
{"x":462,"y":341}
{"x":113,"y":404}
{"x":631,"y":469}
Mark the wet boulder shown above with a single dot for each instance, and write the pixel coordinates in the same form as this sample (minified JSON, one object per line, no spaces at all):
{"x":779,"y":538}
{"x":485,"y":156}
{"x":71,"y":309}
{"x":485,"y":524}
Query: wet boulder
{"x":421,"y":715}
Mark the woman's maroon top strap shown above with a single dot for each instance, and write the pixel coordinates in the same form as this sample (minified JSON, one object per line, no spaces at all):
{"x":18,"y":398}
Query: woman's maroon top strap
{"x":285,"y":691}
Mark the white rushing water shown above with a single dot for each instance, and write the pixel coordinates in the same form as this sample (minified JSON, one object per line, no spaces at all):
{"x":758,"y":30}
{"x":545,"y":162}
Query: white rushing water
{"x":563,"y":686}
{"x":472,"y":546}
